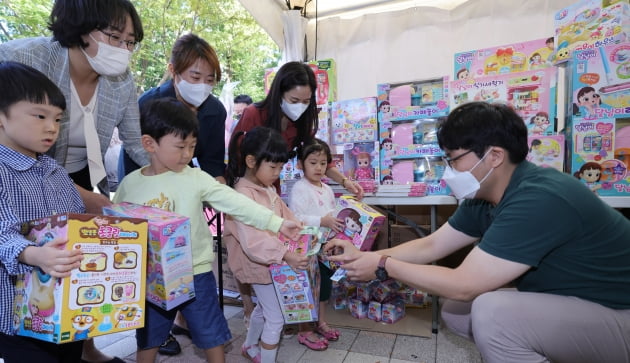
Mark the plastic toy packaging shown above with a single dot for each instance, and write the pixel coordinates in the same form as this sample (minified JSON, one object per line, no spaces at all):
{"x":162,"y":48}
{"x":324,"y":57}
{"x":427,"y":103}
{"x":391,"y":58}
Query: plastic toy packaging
{"x":358,"y":309}
{"x":354,"y":120}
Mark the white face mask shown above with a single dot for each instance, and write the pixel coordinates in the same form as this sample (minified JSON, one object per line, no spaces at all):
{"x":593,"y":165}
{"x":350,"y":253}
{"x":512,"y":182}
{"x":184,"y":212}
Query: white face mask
{"x":194,"y":93}
{"x":463,"y":184}
{"x":293,"y":110}
{"x":109,"y":60}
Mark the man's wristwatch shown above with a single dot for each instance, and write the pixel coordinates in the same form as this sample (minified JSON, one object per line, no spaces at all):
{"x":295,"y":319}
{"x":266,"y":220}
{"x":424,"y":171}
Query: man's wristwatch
{"x":381,"y":273}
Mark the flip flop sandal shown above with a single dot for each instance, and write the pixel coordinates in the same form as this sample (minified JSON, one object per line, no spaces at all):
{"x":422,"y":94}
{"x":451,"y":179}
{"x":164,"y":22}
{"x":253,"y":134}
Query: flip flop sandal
{"x":320,"y":344}
{"x":245,"y":354}
{"x":327,"y":332}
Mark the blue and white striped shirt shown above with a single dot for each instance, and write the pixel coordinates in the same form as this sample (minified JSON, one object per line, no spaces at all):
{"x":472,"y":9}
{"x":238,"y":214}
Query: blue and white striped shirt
{"x":29,"y":189}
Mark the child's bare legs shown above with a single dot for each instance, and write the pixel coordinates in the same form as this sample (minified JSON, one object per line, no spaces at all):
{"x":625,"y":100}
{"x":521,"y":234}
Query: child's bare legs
{"x":322,"y":326}
{"x":215,"y":355}
{"x":307,"y":336}
{"x":146,"y":355}
{"x":92,"y":354}
{"x":180,"y":321}
{"x":248,"y":304}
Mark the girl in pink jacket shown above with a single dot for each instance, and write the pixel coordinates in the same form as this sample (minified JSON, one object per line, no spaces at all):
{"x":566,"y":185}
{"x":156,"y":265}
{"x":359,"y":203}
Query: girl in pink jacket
{"x":255,"y":161}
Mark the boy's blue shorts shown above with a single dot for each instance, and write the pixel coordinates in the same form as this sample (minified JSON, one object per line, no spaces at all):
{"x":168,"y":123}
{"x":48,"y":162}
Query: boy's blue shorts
{"x":206,"y":322}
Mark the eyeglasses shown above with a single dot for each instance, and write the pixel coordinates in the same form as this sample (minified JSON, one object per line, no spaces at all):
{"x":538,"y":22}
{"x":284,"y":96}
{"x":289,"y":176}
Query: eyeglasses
{"x":449,"y":161}
{"x":116,"y":41}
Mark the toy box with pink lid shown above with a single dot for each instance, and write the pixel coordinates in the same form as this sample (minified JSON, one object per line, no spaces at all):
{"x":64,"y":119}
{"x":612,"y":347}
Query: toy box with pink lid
{"x":354,"y":131}
{"x":410,"y":156}
{"x":517,"y":57}
{"x":598,"y":133}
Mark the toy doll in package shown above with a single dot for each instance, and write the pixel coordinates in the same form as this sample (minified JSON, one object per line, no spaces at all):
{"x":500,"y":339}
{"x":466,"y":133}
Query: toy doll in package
{"x":104,"y":295}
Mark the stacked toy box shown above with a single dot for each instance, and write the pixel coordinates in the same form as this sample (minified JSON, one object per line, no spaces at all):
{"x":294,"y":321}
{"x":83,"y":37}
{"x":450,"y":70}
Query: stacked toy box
{"x":354,"y":130}
{"x":531,"y":93}
{"x":599,"y":130}
{"x":170,"y":261}
{"x":511,"y":58}
{"x":104,"y":295}
{"x":407,"y":116}
{"x":589,"y":24}
{"x":326,"y":76}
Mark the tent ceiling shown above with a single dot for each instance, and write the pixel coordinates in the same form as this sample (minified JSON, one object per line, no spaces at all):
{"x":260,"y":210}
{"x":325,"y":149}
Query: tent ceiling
{"x":353,"y":8}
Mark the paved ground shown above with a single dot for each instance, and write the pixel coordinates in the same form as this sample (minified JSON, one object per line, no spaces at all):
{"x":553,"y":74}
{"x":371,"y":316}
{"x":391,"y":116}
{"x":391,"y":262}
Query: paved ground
{"x":354,"y":346}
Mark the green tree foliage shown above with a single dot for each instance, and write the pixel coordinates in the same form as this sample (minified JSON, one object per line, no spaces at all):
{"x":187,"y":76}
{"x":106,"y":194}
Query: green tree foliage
{"x":244,"y":49}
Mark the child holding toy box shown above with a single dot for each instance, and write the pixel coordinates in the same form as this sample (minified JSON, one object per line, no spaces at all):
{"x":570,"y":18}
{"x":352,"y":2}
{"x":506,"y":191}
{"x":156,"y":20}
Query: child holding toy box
{"x":313,"y":202}
{"x":32,"y":186}
{"x":169,"y":134}
{"x":253,"y":168}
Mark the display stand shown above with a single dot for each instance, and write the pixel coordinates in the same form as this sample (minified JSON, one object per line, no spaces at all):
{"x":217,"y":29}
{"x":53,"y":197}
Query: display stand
{"x":617,"y":202}
{"x":433,"y":201}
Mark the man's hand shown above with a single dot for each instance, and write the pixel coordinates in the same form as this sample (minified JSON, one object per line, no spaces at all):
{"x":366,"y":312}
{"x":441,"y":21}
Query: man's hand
{"x":291,"y":229}
{"x":359,"y":266}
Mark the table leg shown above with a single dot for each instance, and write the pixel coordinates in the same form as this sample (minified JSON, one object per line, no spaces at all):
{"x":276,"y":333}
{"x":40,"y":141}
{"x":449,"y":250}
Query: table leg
{"x":434,"y":298}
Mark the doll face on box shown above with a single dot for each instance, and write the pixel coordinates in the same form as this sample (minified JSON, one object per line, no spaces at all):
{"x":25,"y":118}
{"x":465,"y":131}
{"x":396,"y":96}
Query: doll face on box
{"x":363,"y":162}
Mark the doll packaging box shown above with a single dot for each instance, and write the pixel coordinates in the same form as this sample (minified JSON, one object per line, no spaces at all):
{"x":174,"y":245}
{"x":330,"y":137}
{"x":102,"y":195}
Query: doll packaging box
{"x":532,"y":94}
{"x":354,"y":120}
{"x":600,"y":82}
{"x":517,"y":57}
{"x":599,"y":154}
{"x":169,"y":265}
{"x":361,"y":224}
{"x":104,"y":295}
{"x":589,"y":24}
{"x":298,"y":291}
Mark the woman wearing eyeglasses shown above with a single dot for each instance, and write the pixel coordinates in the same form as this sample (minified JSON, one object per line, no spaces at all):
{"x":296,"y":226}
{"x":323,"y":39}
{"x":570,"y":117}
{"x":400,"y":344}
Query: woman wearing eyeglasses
{"x":88,"y":57}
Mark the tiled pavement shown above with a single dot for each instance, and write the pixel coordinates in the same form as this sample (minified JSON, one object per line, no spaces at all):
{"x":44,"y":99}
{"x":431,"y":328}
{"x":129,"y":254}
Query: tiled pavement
{"x":354,"y":346}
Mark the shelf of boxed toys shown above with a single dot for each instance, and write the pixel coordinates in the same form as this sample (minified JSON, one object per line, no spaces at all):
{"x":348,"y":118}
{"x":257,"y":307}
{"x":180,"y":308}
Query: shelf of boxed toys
{"x":433,"y":201}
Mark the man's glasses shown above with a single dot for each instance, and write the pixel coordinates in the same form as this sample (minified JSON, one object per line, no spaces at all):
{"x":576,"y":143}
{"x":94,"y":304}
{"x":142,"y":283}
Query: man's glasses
{"x":116,"y":41}
{"x":449,"y":161}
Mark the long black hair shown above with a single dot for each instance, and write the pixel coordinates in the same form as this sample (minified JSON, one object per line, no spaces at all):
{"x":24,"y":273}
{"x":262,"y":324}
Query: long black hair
{"x":264,"y":143}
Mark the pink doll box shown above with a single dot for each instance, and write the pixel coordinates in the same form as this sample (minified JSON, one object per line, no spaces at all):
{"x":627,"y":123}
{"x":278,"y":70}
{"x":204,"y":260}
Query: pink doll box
{"x":531,"y":93}
{"x":170,"y":263}
{"x":393,"y":311}
{"x":600,"y":82}
{"x":104,"y":295}
{"x":362,"y":222}
{"x":546,"y":151}
{"x":298,"y":291}
{"x":326,"y":76}
{"x":599,"y":155}
{"x":590,"y":24}
{"x":375,"y":311}
{"x":361,"y":161}
{"x":414,"y":99}
{"x":517,"y":57}
{"x":358,"y":309}
{"x":428,"y":170}
{"x":353,"y":120}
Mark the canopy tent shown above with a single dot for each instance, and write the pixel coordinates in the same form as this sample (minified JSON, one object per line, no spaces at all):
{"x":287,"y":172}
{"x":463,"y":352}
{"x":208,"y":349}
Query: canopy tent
{"x":377,"y":41}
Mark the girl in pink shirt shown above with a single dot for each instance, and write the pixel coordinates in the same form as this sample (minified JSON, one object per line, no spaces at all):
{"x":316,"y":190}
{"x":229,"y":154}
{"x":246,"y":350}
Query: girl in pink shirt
{"x":255,"y":161}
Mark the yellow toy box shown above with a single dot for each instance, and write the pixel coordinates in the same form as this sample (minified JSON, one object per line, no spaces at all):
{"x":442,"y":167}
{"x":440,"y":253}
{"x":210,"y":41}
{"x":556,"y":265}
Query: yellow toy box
{"x":170,"y":265}
{"x":104,"y":295}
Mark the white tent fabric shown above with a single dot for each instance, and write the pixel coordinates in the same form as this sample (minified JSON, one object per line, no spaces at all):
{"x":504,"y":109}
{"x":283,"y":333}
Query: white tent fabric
{"x":295,"y":31}
{"x":412,"y":44}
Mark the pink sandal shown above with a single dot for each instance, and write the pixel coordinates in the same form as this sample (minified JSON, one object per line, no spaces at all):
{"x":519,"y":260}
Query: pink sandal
{"x":305,"y":338}
{"x":245,"y":354}
{"x":327,"y":332}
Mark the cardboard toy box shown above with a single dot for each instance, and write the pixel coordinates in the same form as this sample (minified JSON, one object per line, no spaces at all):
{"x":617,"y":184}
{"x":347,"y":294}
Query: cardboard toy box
{"x":546,"y":151}
{"x":298,"y":291}
{"x":600,"y":82}
{"x":354,"y":120}
{"x":362,"y":224}
{"x":104,"y":295}
{"x":510,"y":58}
{"x":589,"y":24}
{"x":170,"y":267}
{"x":532,"y":94}
{"x":326,"y":76}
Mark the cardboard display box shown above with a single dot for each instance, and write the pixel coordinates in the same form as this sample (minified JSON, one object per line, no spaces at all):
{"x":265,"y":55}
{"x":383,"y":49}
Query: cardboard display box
{"x":170,"y":266}
{"x":104,"y":295}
